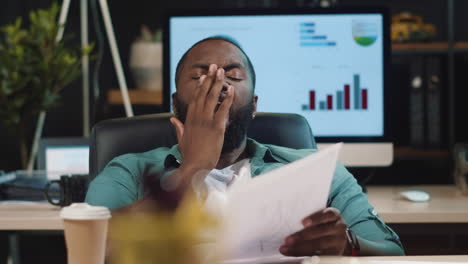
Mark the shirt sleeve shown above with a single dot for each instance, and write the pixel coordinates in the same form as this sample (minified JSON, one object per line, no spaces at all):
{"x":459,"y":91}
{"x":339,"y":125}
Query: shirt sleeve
{"x":347,"y":196}
{"x":113,"y":188}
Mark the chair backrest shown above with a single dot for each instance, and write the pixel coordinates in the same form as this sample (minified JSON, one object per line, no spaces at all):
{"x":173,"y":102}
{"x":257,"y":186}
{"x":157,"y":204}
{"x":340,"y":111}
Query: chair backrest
{"x":115,"y":137}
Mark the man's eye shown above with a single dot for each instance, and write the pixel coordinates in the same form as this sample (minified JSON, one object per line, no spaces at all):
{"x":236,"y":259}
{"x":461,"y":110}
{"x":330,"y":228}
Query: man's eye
{"x":196,"y":78}
{"x":234,"y":79}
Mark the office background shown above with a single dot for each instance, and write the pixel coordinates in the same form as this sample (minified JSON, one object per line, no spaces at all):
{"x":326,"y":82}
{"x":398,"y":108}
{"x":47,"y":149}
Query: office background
{"x":415,"y":162}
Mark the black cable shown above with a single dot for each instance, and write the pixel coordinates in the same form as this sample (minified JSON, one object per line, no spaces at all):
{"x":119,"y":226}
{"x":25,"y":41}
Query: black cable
{"x":99,"y":57}
{"x":363,"y":182}
{"x":369,"y":177}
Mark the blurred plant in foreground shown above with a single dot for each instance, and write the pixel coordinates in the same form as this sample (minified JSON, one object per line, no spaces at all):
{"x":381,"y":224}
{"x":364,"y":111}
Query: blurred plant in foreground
{"x":168,"y":227}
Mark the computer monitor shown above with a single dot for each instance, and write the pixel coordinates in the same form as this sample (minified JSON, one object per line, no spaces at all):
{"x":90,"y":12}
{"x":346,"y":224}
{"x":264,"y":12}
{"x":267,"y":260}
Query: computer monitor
{"x":59,"y":156}
{"x":328,"y":65}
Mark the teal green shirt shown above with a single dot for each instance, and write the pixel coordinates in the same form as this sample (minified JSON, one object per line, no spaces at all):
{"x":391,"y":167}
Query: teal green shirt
{"x":120,"y":184}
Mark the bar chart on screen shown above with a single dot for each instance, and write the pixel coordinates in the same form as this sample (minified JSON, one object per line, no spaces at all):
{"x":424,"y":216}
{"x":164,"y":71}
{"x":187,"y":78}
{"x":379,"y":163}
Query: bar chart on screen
{"x":351,"y":97}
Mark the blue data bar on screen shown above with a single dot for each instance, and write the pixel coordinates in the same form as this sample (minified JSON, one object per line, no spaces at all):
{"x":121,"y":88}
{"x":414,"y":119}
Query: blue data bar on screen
{"x":311,"y":44}
{"x":313,"y":37}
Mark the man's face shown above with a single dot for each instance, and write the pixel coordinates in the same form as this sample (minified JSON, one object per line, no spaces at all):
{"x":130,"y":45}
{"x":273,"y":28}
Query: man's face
{"x":227,"y":56}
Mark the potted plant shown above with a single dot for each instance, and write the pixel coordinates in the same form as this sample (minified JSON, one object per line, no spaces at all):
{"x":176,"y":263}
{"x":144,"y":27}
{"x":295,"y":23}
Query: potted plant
{"x":34,"y":69}
{"x":146,"y":60}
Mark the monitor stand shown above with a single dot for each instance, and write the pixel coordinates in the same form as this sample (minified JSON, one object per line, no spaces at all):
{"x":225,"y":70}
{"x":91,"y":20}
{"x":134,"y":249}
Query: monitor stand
{"x":379,"y":154}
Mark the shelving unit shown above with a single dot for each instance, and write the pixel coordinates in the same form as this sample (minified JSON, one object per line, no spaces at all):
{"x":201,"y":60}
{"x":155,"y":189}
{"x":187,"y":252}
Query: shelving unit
{"x":448,"y":49}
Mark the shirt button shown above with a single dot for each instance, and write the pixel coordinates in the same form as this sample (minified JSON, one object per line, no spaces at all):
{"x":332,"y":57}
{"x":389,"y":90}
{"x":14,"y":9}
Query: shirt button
{"x":373,"y":212}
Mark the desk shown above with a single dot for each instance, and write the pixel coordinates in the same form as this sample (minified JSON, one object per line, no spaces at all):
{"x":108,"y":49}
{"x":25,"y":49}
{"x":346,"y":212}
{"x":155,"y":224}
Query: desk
{"x":447,"y":205}
{"x":29,"y":216}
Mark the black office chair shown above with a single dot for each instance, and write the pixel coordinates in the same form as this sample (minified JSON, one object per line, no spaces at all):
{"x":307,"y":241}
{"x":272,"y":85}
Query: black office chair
{"x":115,"y":137}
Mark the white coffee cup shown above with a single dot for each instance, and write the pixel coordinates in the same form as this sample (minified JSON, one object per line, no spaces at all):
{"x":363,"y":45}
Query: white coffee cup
{"x":85,"y":232}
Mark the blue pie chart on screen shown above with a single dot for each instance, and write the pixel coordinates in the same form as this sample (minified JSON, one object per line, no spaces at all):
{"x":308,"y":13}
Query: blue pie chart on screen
{"x":365,"y":33}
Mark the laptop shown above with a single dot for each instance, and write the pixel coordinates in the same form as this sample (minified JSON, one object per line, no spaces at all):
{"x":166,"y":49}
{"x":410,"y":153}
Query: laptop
{"x":59,"y":156}
{"x":56,"y":157}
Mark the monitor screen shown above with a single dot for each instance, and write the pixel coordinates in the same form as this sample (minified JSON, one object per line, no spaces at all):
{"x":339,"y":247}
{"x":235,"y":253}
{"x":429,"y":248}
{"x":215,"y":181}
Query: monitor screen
{"x":67,"y":159}
{"x":326,"y":66}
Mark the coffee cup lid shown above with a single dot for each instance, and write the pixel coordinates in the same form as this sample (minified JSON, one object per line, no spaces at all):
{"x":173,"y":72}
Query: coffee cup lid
{"x":84,"y":211}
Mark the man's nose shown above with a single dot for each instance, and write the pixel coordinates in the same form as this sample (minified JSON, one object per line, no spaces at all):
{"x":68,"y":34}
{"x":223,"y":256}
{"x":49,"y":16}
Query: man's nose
{"x":225,"y":85}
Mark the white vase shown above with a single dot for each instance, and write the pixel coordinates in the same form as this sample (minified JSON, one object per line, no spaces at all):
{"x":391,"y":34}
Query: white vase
{"x":146,"y":65}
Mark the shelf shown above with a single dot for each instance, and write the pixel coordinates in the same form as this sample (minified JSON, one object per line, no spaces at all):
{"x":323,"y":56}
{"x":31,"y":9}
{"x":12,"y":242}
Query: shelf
{"x":420,"y":46}
{"x":137,"y":96}
{"x":429,"y":47}
{"x":462,"y":45}
{"x":415,"y":153}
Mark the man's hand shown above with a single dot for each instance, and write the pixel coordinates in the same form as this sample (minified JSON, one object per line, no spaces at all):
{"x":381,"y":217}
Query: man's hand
{"x":324,"y":233}
{"x":201,"y":137}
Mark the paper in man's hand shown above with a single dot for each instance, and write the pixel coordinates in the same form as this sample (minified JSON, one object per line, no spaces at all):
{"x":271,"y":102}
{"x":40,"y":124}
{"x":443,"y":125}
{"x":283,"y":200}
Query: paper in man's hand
{"x":262,"y":212}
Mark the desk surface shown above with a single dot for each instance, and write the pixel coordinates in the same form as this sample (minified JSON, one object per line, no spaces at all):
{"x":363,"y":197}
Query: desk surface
{"x":447,"y":205}
{"x":29,"y":216}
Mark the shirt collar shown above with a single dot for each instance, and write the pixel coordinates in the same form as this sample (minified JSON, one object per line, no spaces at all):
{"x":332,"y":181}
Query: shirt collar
{"x":173,"y":158}
{"x":256,"y":152}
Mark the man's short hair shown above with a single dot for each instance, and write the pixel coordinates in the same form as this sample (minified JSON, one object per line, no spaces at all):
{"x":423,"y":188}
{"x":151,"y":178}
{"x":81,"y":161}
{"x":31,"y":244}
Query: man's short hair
{"x":250,"y":67}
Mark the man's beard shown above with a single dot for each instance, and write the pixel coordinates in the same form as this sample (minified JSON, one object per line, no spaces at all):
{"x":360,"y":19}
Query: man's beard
{"x":236,"y":131}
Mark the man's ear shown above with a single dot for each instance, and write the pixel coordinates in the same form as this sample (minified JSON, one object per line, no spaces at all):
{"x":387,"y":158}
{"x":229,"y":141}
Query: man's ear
{"x":174,"y":107}
{"x":255,"y":99}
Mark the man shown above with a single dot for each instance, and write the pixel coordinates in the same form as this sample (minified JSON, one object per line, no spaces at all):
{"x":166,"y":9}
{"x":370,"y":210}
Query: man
{"x":214,"y":104}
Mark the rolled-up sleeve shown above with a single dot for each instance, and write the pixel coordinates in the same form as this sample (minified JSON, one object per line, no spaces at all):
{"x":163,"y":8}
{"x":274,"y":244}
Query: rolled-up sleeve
{"x":347,"y":196}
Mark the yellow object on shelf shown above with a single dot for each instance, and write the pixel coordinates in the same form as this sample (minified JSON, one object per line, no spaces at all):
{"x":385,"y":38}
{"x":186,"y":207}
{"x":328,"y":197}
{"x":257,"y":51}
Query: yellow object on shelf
{"x":408,"y":27}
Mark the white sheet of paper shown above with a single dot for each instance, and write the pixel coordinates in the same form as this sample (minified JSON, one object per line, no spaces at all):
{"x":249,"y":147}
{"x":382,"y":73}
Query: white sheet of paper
{"x":264,"y":260}
{"x":409,"y":262}
{"x":263,"y":211}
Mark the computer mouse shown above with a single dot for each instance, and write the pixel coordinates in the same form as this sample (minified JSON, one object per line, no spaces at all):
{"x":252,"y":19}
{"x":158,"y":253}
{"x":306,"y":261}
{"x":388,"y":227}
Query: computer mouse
{"x":415,"y":195}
